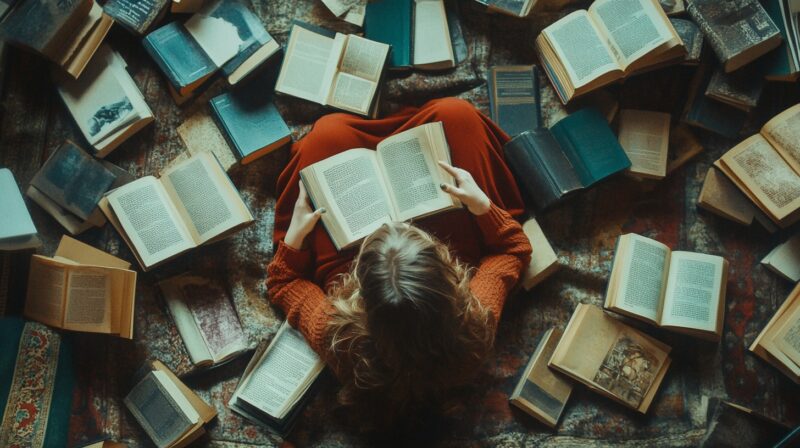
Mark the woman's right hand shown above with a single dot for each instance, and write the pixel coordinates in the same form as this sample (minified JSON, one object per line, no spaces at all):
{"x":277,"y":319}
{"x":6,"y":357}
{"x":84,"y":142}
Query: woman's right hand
{"x":304,"y":218}
{"x":466,"y":190}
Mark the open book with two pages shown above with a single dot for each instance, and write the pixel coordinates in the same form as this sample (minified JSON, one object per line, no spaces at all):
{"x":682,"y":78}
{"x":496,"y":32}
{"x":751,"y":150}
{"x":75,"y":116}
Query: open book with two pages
{"x":680,"y":291}
{"x":611,"y":40}
{"x":362,"y":189}
{"x":190,"y":204}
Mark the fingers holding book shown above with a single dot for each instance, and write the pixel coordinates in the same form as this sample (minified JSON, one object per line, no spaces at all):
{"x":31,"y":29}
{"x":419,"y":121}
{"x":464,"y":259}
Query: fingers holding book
{"x":465,"y":190}
{"x":303,"y":221}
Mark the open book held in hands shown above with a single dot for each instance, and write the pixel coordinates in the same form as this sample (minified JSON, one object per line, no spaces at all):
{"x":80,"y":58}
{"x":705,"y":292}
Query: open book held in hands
{"x":679,"y":291}
{"x":190,"y":204}
{"x":611,"y":40}
{"x":363,"y":189}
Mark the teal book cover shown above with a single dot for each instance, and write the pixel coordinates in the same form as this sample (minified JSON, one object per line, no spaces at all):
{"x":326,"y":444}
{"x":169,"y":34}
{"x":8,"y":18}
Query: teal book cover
{"x":178,"y":55}
{"x":778,"y":63}
{"x":390,"y":22}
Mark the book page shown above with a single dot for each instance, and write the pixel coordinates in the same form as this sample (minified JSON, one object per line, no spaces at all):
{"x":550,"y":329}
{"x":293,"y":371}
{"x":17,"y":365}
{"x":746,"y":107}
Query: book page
{"x":643,"y":278}
{"x":218,"y":37}
{"x":432,"y":43}
{"x":636,"y":27}
{"x":150,"y":220}
{"x":356,"y":196}
{"x":304,"y":69}
{"x":88,"y":304}
{"x":352,"y":93}
{"x":184,"y":321}
{"x":583,"y":51}
{"x":204,"y":197}
{"x":45,"y":298}
{"x":644,"y":135}
{"x":693,"y":292}
{"x":783,"y":132}
{"x":363,"y":58}
{"x":787,"y":338}
{"x":285,"y":372}
{"x":766,"y":174}
{"x":214,"y":317}
{"x":161,"y":409}
{"x":408,"y":164}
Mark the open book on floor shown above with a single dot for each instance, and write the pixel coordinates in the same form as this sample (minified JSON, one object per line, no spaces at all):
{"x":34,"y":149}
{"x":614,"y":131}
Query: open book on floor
{"x":720,"y":196}
{"x":611,"y":358}
{"x":170,"y":413}
{"x":82,"y":289}
{"x":361,"y":189}
{"x":190,"y":204}
{"x":676,"y":290}
{"x":277,"y":380}
{"x":206,"y":320}
{"x":766,"y":167}
{"x":611,"y":40}
{"x":342,"y":71}
{"x":779,"y":341}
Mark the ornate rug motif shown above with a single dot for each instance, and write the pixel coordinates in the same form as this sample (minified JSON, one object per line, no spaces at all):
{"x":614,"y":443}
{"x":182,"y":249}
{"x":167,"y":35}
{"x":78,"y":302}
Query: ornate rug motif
{"x":24,"y":422}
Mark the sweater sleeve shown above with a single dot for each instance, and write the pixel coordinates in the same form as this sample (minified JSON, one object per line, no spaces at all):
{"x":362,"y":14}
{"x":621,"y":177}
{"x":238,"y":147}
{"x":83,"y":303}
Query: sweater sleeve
{"x":509,"y":252}
{"x":305,"y":304}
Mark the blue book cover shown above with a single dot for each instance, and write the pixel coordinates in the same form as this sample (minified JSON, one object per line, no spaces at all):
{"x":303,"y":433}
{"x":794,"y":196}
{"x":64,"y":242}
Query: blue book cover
{"x":179,"y":56}
{"x":250,"y":121}
{"x":390,"y":22}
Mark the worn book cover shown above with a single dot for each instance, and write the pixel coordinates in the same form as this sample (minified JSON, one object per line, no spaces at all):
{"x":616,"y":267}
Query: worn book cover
{"x":44,"y":25}
{"x":703,"y":112}
{"x":692,"y":39}
{"x":741,"y":89}
{"x":138,"y":16}
{"x":738,"y":31}
{"x":179,"y":57}
{"x":514,"y":98}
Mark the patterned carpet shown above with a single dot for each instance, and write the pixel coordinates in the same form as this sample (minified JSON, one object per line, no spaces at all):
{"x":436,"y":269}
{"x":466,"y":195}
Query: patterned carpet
{"x":583,"y":231}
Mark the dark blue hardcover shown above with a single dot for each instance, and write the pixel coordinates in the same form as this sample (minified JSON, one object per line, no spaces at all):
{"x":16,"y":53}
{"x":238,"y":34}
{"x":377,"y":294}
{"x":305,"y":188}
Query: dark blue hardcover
{"x":514,"y":98}
{"x":178,"y":55}
{"x":138,"y":16}
{"x":390,"y":22}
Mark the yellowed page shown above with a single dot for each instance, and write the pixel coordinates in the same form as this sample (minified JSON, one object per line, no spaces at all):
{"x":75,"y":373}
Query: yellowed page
{"x":694,"y":287}
{"x":644,"y":135}
{"x":643,"y":274}
{"x":46,"y":282}
{"x":305,"y":69}
{"x":787,"y":337}
{"x":783,"y":132}
{"x":88,"y":304}
{"x":635,"y":27}
{"x":352,"y":93}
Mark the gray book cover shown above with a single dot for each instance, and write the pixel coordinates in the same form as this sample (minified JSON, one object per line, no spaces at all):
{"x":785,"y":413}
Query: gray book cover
{"x":41,"y":24}
{"x":692,"y":38}
{"x":741,"y":89}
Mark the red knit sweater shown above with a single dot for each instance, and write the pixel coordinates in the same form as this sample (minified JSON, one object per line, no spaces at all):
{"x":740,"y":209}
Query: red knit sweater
{"x":308,"y":309}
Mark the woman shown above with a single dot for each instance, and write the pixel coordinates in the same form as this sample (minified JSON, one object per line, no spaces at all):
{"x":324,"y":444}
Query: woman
{"x":408,"y":315}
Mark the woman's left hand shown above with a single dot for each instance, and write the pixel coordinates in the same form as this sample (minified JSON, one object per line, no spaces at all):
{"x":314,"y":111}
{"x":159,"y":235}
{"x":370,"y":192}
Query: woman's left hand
{"x":304,"y":218}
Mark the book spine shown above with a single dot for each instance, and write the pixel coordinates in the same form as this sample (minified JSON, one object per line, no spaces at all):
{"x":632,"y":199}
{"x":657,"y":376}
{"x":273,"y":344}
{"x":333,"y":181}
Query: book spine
{"x":153,"y":49}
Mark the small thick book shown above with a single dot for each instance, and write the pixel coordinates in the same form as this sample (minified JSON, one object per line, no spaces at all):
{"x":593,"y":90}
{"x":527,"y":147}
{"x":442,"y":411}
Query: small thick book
{"x":17,"y":231}
{"x":611,"y":40}
{"x":544,"y":260}
{"x":705,"y":113}
{"x":541,"y":392}
{"x":342,"y":71}
{"x":738,"y":31}
{"x":611,"y":358}
{"x":82,"y":289}
{"x":250,"y":121}
{"x":783,"y":63}
{"x":784,"y":259}
{"x":170,"y":413}
{"x":766,"y":167}
{"x":192,"y":203}
{"x":692,"y":39}
{"x":575,"y":153}
{"x":137,"y":16}
{"x":206,"y":320}
{"x":720,"y":196}
{"x":644,"y":135}
{"x":740,"y":89}
{"x":362,"y":189}
{"x":105,"y":102}
{"x":514,"y":98}
{"x":677,"y":290}
{"x":277,"y":380}
{"x":779,"y":341}
{"x":211,"y":41}
{"x":71,"y":183}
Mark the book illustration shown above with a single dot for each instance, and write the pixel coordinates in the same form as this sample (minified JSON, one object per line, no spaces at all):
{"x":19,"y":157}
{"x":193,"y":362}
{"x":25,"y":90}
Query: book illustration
{"x":109,"y":114}
{"x":627,"y":371}
{"x":218,"y":325}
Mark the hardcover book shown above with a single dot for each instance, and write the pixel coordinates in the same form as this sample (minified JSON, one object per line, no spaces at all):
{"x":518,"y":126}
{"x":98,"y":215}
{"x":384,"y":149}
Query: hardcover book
{"x":611,"y":40}
{"x":740,"y":89}
{"x":739,"y":31}
{"x":673,"y":7}
{"x":82,"y":289}
{"x":190,"y":204}
{"x":396,"y":182}
{"x":644,"y":135}
{"x":692,"y":39}
{"x":783,"y":63}
{"x":391,"y":22}
{"x":779,"y":341}
{"x":333,"y":69}
{"x":170,"y":413}
{"x":200,"y":133}
{"x":541,"y":392}
{"x":523,"y":8}
{"x":251,"y":122}
{"x":575,"y":153}
{"x":206,"y":320}
{"x":187,"y":6}
{"x":105,"y":102}
{"x":514,"y":98}
{"x":17,"y":231}
{"x":705,"y":113}
{"x":137,"y":16}
{"x":677,"y":290}
{"x":277,"y":380}
{"x":766,"y":167}
{"x":784,"y":259}
{"x":611,"y":358}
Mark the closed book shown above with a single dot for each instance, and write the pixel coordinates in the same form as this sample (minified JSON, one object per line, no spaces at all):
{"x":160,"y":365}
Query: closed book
{"x":44,"y":25}
{"x":390,"y":22}
{"x":740,"y":89}
{"x":705,"y":113}
{"x":692,"y":39}
{"x":514,"y":98}
{"x":783,"y":63}
{"x":251,"y":122}
{"x":16,"y":227}
{"x":137,"y":16}
{"x":739,"y":31}
{"x":179,"y":57}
